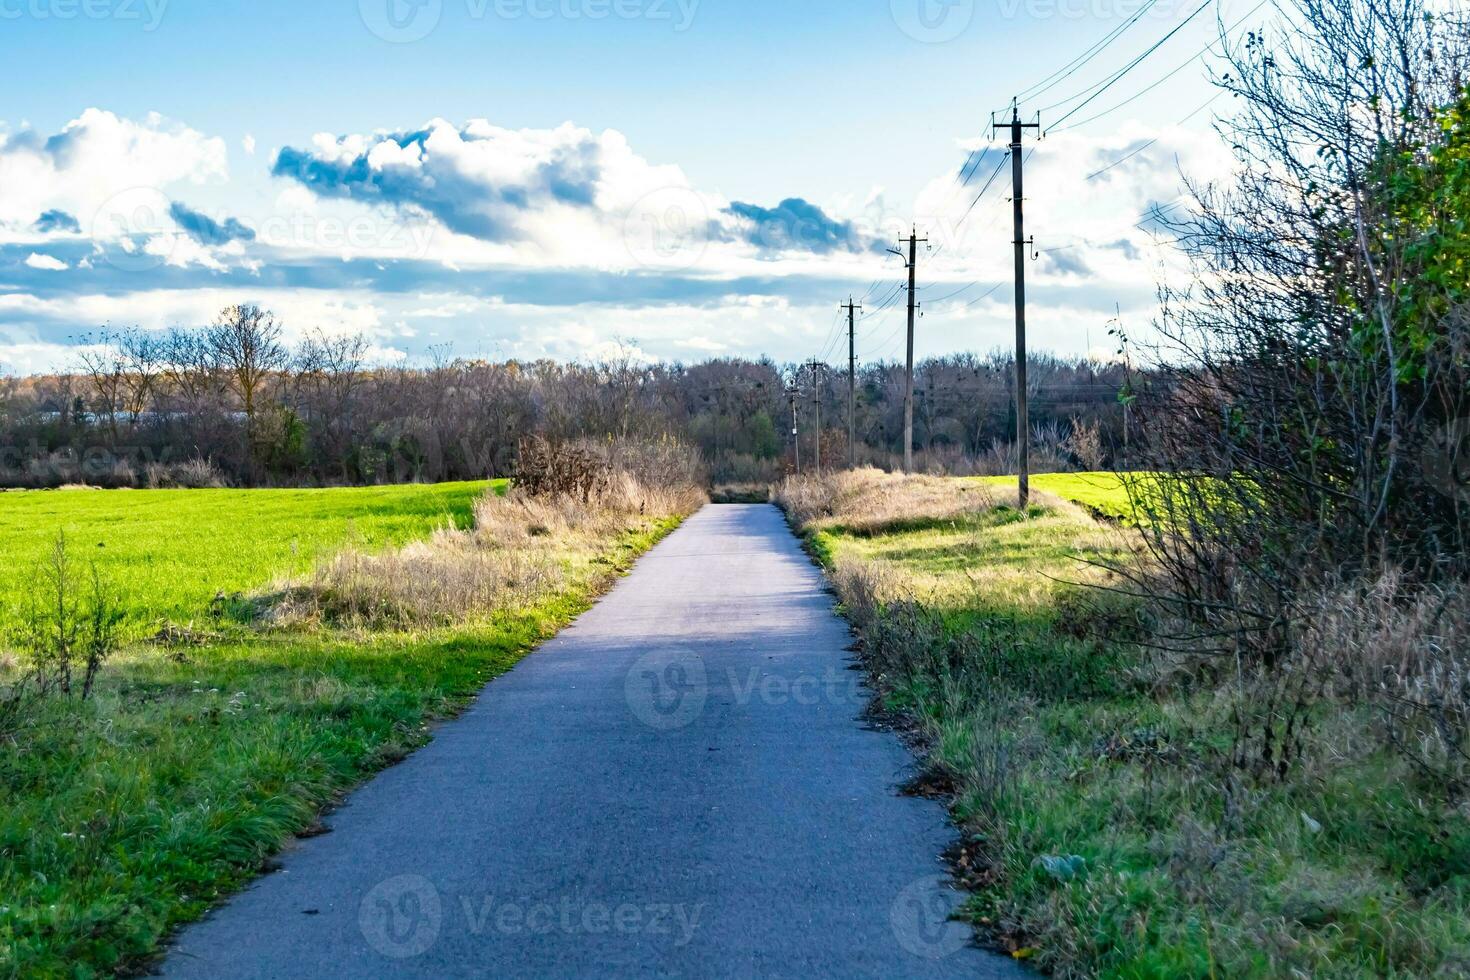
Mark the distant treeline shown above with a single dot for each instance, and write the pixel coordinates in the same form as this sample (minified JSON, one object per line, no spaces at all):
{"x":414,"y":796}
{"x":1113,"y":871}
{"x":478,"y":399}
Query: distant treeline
{"x":233,"y":403}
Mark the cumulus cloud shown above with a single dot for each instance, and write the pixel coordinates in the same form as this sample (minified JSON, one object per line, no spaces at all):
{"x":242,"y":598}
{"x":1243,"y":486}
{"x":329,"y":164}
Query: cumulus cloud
{"x":96,"y":157}
{"x":578,"y":196}
{"x":478,"y":181}
{"x":550,"y":241}
{"x":1065,"y":261}
{"x":207,"y":231}
{"x":796,"y":224}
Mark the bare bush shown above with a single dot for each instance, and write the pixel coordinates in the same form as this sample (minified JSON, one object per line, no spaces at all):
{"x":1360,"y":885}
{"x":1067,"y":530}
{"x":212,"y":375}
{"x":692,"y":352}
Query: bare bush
{"x":1296,"y":422}
{"x":663,"y":462}
{"x":548,"y":468}
{"x":1048,"y":455}
{"x":1084,"y":443}
{"x":194,"y":474}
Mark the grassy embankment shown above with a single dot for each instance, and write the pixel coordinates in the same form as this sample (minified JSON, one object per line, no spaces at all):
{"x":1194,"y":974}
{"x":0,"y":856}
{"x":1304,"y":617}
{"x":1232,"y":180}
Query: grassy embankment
{"x":1105,"y":833}
{"x":196,"y":760}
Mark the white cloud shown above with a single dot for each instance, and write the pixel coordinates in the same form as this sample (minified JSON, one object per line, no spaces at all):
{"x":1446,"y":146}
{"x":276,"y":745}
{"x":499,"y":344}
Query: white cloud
{"x":49,"y":263}
{"x":623,"y":233}
{"x":96,"y":157}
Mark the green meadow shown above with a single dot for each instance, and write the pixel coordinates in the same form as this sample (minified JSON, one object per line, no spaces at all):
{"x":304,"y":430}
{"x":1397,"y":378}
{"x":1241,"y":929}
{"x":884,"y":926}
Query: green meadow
{"x":172,"y":551}
{"x":1103,"y":493}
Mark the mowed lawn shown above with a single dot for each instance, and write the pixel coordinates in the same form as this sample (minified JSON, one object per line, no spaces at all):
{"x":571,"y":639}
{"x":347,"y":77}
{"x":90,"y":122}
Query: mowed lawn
{"x":171,"y":551}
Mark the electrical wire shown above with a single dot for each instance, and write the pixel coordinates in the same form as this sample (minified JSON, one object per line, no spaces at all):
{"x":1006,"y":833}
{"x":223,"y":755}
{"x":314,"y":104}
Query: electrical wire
{"x":1133,"y":153}
{"x":947,"y":296}
{"x":1123,"y":72}
{"x":1142,"y":92}
{"x":1071,"y":68}
{"x":989,"y":180}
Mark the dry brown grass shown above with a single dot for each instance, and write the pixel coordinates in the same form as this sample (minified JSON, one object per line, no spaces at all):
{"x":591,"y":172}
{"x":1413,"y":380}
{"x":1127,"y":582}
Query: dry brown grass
{"x":943,"y":538}
{"x":521,"y":548}
{"x":865,"y":501}
{"x":1406,"y":652}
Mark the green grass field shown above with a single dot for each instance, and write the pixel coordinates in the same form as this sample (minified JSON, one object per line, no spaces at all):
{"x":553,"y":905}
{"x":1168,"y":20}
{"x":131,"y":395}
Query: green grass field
{"x":174,"y":550}
{"x":124,"y":816}
{"x":1100,"y":492}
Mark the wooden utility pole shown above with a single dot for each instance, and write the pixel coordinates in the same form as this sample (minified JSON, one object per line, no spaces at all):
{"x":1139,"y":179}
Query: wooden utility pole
{"x":816,"y":367}
{"x":908,"y":386}
{"x":795,"y":428}
{"x":1023,"y":422}
{"x":852,"y":309}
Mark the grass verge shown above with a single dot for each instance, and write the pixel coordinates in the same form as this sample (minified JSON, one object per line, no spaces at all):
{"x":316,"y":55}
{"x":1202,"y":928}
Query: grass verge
{"x":127,"y":815}
{"x":1105,"y":832}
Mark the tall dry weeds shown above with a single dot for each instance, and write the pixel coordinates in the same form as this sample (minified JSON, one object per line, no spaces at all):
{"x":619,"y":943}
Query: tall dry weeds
{"x":521,"y":548}
{"x":867,"y":500}
{"x":1406,"y":653}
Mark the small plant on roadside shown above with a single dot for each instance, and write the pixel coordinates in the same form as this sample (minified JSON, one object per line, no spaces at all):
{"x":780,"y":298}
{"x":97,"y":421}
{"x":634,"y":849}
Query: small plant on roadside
{"x":72,"y":623}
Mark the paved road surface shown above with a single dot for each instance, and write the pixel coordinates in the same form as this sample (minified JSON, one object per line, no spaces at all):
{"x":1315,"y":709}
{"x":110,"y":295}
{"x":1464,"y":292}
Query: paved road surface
{"x":677,"y":785}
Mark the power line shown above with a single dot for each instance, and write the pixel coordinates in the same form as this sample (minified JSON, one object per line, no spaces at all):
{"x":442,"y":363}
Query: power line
{"x":887,"y":302}
{"x":1071,"y":68}
{"x":941,"y":299}
{"x":1122,"y":72}
{"x":1130,"y":155}
{"x":983,"y":296}
{"x":989,"y":180}
{"x":1142,"y":92}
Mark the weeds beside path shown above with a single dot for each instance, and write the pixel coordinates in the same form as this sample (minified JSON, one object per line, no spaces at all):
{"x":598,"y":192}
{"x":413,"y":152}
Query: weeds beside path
{"x":1105,"y":831}
{"x":127,"y":815}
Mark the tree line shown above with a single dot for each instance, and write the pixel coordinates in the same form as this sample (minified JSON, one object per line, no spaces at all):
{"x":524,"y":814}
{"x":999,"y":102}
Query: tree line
{"x":233,"y":402}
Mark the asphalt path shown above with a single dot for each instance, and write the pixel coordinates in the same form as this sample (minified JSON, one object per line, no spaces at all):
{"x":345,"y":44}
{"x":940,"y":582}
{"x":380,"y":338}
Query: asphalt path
{"x":679,"y":784}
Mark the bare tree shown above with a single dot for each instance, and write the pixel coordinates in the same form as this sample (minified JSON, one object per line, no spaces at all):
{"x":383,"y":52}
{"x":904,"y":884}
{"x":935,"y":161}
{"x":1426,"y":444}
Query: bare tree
{"x":245,"y":342}
{"x":142,"y":356}
{"x":106,"y":367}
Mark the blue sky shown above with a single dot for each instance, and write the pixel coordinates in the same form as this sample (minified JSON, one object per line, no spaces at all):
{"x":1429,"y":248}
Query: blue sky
{"x":514,"y":177}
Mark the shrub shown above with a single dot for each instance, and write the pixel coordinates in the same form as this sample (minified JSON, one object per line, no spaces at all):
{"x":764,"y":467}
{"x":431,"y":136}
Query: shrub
{"x":546,"y":468}
{"x":193,"y":474}
{"x":68,"y":626}
{"x":1304,"y":424}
